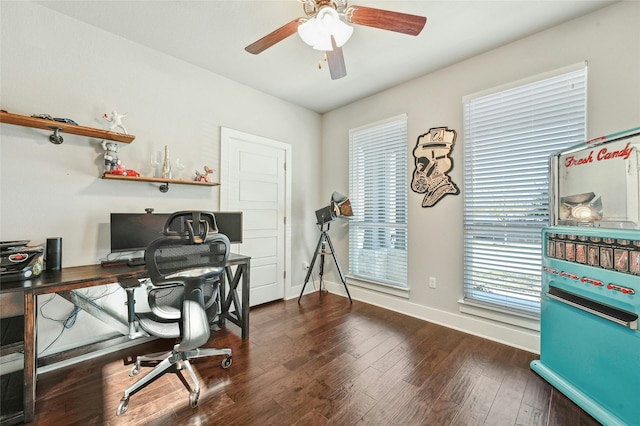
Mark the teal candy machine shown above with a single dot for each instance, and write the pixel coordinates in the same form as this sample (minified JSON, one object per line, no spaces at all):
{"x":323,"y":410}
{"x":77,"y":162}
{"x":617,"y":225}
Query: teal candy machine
{"x":589,"y":328}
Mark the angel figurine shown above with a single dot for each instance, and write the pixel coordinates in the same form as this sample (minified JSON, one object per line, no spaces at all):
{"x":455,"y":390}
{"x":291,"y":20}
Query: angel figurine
{"x":116,"y":120}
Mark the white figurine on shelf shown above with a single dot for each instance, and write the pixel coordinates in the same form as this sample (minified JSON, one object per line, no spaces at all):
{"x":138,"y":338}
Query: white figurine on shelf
{"x":110,"y":155}
{"x":116,"y":120}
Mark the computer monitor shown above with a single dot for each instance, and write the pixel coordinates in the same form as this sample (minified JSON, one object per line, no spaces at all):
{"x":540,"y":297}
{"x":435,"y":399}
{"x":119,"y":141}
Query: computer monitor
{"x":230,"y":224}
{"x":134,"y":231}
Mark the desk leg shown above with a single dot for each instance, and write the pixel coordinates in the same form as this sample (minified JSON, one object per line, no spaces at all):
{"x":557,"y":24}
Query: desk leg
{"x":30,"y":373}
{"x":233,"y":282}
{"x":222,"y":318}
{"x":245,"y":299}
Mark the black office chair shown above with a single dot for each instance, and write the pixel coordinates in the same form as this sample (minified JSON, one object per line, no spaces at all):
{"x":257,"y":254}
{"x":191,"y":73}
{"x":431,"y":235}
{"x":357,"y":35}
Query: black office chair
{"x":184,"y":266}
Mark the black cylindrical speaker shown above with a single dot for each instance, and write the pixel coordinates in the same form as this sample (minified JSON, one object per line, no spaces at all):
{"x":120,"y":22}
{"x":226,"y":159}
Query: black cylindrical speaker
{"x":54,"y":254}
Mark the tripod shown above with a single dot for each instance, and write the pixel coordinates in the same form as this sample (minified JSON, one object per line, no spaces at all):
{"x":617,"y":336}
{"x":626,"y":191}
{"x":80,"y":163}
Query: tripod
{"x":321,"y":249}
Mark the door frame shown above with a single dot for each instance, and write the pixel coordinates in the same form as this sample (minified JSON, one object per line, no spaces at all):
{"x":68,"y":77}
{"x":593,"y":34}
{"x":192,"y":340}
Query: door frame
{"x":226,"y":134}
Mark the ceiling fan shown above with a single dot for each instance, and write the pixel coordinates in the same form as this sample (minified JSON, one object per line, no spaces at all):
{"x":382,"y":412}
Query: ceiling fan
{"x":323,"y":28}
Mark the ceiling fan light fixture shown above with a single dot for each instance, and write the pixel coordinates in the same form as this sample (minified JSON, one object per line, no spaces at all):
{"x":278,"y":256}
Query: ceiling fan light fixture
{"x":308,"y":31}
{"x":323,"y":43}
{"x":342,"y":33}
{"x":317,"y":31}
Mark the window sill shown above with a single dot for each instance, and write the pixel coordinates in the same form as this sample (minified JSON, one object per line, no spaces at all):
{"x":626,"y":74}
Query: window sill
{"x":500,"y":315}
{"x":381,"y":288}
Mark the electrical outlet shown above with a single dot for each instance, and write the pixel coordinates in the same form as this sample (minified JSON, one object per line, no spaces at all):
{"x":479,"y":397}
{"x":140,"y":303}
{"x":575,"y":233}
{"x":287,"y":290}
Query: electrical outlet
{"x":432,"y":282}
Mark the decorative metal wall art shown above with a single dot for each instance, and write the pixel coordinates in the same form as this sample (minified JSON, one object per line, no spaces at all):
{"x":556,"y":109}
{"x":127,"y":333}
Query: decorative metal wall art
{"x":432,"y":164}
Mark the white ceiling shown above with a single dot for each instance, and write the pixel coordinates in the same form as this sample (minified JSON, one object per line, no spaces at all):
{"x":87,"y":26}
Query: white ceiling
{"x":212,"y":34}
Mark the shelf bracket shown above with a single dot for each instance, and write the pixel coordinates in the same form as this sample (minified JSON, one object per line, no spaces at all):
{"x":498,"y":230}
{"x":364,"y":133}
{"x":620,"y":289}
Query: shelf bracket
{"x":164,"y":187}
{"x":56,"y":137}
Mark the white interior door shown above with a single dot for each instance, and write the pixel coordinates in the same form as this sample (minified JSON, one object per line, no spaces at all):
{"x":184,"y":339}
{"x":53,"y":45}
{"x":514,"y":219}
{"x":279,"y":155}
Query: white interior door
{"x":253,"y":179}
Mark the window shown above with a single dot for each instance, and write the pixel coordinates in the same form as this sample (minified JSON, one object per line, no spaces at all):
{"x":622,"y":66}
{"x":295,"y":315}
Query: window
{"x":509,"y":135}
{"x":378,"y":195}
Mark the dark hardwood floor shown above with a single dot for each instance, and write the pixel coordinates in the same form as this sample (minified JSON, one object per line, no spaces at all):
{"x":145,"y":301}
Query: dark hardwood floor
{"x":318,"y":363}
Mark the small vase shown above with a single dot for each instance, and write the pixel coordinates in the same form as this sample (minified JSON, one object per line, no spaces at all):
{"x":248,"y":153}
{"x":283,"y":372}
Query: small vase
{"x":166,"y":165}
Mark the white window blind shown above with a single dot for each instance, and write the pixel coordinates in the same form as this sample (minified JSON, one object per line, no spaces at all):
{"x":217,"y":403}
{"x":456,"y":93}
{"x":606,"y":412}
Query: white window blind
{"x":509,"y":136}
{"x":378,"y":195}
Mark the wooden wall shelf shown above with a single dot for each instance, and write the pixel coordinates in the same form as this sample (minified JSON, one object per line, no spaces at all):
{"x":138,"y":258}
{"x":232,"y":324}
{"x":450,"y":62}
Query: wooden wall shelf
{"x":57,"y":127}
{"x":164,"y":187}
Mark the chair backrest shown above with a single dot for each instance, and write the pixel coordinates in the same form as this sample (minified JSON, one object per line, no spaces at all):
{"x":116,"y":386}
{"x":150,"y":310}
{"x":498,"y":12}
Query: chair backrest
{"x":191,"y":254}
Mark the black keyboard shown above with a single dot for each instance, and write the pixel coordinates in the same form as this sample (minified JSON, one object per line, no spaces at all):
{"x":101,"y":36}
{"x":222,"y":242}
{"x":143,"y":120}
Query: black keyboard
{"x":117,"y":262}
{"x":136,"y":261}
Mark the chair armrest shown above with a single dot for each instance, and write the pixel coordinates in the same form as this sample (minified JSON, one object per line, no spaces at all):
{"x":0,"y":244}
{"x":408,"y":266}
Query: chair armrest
{"x":126,"y":283}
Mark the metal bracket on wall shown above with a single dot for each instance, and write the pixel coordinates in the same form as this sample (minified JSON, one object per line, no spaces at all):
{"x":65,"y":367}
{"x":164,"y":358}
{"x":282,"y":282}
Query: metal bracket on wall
{"x":56,"y":137}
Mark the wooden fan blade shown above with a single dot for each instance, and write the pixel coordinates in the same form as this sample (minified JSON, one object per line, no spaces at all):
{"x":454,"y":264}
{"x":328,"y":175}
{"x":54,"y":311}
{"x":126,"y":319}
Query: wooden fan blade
{"x":335,"y":59}
{"x":386,"y":19}
{"x":274,"y":37}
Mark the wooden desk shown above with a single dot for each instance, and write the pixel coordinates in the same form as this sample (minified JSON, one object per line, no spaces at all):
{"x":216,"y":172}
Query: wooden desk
{"x":234,"y":309}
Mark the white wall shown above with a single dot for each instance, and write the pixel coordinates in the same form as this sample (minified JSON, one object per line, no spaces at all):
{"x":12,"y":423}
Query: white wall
{"x":608,"y":39}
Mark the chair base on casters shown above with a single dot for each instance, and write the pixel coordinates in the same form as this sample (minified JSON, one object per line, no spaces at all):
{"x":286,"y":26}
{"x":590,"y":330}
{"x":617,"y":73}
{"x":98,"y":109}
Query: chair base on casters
{"x":179,"y":359}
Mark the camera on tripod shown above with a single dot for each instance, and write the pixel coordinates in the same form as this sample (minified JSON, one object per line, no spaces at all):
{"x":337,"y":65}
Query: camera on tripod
{"x":340,"y":206}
